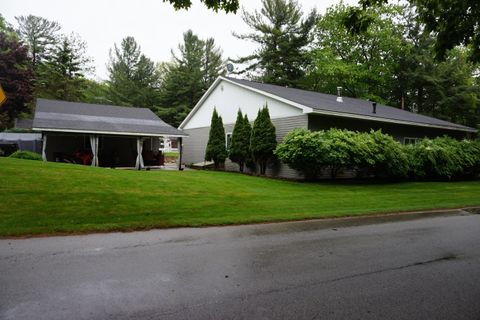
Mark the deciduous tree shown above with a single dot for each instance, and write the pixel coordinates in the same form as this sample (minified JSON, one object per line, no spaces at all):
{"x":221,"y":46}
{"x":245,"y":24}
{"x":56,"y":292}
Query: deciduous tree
{"x":16,"y":79}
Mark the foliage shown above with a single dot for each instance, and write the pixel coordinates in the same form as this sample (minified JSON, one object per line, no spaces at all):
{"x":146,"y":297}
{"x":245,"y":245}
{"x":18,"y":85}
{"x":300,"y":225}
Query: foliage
{"x":39,"y":34}
{"x":263,"y":139}
{"x":240,"y":147}
{"x":283,"y":36}
{"x":363,"y":64}
{"x":216,"y":150}
{"x":62,"y":75}
{"x":184,"y":80}
{"x":225,"y":5}
{"x":372,"y":153}
{"x":444,"y":157}
{"x":15,"y":77}
{"x":453,"y":23}
{"x":95,"y":92}
{"x":133,"y":78}
{"x":28,"y":155}
{"x":391,"y":62}
{"x":302,"y":150}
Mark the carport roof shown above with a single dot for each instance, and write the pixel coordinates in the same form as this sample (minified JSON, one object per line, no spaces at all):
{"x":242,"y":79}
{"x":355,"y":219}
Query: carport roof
{"x":64,"y":116}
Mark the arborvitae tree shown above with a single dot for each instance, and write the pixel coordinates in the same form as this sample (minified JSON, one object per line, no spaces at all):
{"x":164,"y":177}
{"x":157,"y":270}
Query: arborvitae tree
{"x":247,"y":127}
{"x":263,"y":139}
{"x":216,"y":150}
{"x":240,"y":148}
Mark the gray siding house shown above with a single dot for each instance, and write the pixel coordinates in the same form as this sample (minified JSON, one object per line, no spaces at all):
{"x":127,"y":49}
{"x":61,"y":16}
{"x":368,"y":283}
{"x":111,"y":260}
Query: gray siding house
{"x":294,"y":108}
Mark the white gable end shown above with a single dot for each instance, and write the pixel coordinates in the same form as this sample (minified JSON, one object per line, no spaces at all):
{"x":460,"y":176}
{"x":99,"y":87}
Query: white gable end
{"x":227,"y":98}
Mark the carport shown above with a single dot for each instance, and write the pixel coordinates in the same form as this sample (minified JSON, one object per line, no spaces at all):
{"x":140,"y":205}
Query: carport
{"x":101,"y":135}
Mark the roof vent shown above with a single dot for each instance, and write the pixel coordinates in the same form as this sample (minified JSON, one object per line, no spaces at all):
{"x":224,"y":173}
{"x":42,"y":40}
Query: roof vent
{"x":339,"y":94}
{"x":374,"y":105}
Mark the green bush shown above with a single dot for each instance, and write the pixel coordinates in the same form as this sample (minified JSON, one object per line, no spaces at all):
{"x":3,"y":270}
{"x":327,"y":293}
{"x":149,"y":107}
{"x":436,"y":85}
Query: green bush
{"x":335,"y":149}
{"x":26,"y":155}
{"x":304,"y":151}
{"x":444,"y":157}
{"x":378,"y":154}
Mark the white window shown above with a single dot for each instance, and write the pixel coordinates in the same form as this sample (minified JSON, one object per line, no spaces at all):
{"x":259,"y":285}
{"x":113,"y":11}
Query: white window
{"x":228,"y":140}
{"x":410,"y":140}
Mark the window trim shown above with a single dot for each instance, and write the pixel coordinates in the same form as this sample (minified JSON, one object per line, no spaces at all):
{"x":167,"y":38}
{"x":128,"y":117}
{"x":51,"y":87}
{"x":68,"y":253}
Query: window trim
{"x":412,"y":140}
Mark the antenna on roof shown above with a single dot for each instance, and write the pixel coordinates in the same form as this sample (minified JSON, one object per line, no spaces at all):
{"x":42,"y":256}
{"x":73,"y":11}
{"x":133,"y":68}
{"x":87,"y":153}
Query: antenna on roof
{"x":339,"y":94}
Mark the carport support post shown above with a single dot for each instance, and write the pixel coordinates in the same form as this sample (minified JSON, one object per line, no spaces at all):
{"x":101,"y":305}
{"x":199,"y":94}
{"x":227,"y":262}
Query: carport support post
{"x":180,"y":149}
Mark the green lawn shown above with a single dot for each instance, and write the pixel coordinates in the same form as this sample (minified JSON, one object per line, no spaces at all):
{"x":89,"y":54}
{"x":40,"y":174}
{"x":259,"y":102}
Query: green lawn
{"x":45,"y":198}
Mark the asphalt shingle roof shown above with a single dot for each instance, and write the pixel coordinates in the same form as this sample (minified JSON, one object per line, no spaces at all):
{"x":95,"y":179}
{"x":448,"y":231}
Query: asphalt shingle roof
{"x":85,"y":117}
{"x":349,"y":106}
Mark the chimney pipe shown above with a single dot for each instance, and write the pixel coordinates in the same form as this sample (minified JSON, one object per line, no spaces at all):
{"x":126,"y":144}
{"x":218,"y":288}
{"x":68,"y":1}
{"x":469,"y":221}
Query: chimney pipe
{"x":374,"y":105}
{"x":339,"y":94}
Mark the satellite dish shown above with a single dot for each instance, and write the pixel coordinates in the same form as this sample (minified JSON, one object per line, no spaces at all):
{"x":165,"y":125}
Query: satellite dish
{"x":229,"y":67}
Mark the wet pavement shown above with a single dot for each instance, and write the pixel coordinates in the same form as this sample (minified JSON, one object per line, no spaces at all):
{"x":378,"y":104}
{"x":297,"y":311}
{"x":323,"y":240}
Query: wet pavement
{"x":423,"y":266}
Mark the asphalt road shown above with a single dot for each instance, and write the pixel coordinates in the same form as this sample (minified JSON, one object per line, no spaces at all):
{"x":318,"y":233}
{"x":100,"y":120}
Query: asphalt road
{"x":390,"y":268}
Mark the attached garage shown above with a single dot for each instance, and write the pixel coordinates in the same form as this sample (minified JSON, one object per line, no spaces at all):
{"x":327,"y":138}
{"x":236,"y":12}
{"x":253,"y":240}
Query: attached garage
{"x":101,"y":135}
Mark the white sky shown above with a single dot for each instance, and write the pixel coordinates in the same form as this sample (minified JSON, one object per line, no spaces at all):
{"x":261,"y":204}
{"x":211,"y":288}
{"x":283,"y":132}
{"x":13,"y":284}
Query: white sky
{"x":156,"y":26}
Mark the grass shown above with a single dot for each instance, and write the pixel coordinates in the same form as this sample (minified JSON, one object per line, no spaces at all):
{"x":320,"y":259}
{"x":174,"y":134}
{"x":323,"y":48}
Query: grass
{"x":48,"y":198}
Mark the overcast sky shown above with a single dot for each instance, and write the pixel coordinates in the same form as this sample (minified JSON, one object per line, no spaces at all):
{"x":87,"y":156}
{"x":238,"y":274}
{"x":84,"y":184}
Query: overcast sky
{"x":156,"y":26}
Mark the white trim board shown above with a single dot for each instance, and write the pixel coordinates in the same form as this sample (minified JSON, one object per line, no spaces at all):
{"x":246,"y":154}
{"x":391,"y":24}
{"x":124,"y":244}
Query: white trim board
{"x":136,"y":134}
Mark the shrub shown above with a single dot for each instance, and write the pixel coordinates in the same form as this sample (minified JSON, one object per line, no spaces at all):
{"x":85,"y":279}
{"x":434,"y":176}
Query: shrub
{"x":303,"y":150}
{"x":444,"y":157}
{"x":26,"y":155}
{"x":334,"y":149}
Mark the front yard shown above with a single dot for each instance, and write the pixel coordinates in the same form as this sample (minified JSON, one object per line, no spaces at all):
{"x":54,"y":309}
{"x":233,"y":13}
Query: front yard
{"x":49,"y":198}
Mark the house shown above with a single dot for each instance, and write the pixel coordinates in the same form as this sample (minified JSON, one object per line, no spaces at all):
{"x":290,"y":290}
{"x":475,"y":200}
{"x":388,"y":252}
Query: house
{"x":294,"y":108}
{"x":100,"y":135}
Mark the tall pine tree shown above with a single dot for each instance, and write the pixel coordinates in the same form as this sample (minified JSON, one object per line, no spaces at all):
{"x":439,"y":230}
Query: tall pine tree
{"x":192,"y":70}
{"x":283,"y":35}
{"x":134,"y":80}
{"x":263,"y":139}
{"x":216,"y":150}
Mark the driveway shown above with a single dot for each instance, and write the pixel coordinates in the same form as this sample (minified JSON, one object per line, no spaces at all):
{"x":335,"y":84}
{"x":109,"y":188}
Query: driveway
{"x":405,"y":267}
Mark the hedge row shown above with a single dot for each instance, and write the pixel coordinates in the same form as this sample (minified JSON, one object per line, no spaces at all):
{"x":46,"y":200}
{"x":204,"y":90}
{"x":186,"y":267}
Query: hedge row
{"x":377,"y":154}
{"x":26,"y":155}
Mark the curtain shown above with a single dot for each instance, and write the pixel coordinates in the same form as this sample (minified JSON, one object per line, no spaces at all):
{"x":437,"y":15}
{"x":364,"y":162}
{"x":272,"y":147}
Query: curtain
{"x":94,"y":146}
{"x":44,"y":147}
{"x":139,"y":161}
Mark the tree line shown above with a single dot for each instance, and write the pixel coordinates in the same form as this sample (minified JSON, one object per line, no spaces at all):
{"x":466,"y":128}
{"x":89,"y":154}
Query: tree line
{"x":38,"y":61}
{"x":378,"y":51}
